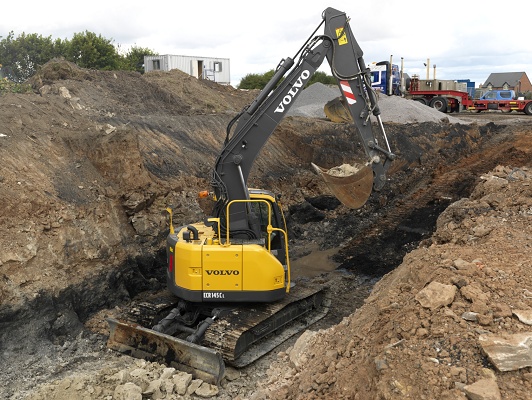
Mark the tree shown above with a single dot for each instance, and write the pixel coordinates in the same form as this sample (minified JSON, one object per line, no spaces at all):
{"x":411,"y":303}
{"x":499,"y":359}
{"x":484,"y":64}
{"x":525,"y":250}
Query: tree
{"x":88,"y":50}
{"x":257,"y":81}
{"x":322,"y":77}
{"x":134,"y":58}
{"x":23,"y":55}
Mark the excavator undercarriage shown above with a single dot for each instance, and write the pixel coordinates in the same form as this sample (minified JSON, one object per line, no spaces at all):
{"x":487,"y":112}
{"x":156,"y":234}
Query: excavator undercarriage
{"x":237,"y":336}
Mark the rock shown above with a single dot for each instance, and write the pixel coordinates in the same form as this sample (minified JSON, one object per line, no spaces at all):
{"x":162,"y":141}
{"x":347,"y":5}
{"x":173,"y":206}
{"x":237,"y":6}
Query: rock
{"x":167,"y":387}
{"x":508,"y":352}
{"x":194,"y":385}
{"x":109,"y":129}
{"x":484,"y":389}
{"x":343,"y":170}
{"x":462,"y":264}
{"x":63,"y":92}
{"x":474,"y":293}
{"x":494,"y":184}
{"x":231,"y":374}
{"x":481,"y":230}
{"x":182,"y":381}
{"x":127,"y":391}
{"x":470,"y":316}
{"x":436,"y":295}
{"x":494,"y":199}
{"x":121,"y":377}
{"x":138,"y":373}
{"x":525,"y":316}
{"x":297,"y":354}
{"x":459,"y":281}
{"x":153,"y":390}
{"x":45,"y":89}
{"x":207,"y":390}
{"x":501,"y":310}
{"x":167,"y":373}
{"x":485,"y":319}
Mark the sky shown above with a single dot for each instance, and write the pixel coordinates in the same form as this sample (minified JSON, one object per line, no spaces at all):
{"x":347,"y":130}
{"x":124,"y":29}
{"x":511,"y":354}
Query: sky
{"x":463,"y":40}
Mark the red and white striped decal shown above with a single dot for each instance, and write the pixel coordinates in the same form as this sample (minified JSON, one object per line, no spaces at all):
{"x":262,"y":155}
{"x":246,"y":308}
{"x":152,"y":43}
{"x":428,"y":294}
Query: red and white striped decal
{"x":348,"y":93}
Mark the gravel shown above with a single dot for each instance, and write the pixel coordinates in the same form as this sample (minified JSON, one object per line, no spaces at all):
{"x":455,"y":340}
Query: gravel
{"x":395,"y":109}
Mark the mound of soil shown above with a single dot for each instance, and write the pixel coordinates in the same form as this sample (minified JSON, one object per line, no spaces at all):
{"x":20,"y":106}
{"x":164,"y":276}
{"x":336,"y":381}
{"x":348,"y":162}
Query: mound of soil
{"x":452,"y":321}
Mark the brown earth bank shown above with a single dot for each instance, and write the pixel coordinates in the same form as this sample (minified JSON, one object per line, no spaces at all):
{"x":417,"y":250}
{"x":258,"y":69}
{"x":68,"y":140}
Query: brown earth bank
{"x":427,"y":279}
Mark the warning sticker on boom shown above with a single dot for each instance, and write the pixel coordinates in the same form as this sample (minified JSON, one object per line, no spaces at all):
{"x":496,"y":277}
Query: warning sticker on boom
{"x":348,"y":92}
{"x":341,"y":35}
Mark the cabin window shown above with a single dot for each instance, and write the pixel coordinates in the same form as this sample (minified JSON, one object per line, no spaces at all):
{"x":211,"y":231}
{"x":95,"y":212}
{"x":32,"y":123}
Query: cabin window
{"x":156,"y":65}
{"x":217,"y":66}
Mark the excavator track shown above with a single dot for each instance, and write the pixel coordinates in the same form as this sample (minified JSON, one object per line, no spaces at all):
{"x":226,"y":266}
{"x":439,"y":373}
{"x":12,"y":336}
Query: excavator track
{"x":242,"y":334}
{"x":247,"y":333}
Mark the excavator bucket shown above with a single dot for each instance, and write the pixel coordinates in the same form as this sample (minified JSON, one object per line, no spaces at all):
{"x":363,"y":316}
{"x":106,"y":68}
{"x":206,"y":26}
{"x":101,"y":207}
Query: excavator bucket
{"x":134,"y":340}
{"x":336,"y":110}
{"x":351,"y":184}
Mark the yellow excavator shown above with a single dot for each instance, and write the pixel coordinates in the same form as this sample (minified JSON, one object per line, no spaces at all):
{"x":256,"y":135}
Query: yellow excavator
{"x":230,"y":296}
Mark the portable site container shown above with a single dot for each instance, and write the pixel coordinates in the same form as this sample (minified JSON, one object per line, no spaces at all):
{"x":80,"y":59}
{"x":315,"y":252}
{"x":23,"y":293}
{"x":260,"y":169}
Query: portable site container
{"x":211,"y":68}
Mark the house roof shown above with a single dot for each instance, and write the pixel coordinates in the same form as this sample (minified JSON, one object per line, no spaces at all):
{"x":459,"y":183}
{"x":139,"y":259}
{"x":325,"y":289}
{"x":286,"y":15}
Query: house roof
{"x":498,"y":79}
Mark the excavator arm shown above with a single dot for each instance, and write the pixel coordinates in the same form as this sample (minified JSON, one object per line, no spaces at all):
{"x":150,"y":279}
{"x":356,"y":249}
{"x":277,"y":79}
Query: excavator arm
{"x":256,"y":123}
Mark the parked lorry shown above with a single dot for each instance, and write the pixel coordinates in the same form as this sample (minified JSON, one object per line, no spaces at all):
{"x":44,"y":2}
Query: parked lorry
{"x":385,"y":78}
{"x":455,"y":100}
{"x":502,"y":100}
{"x":443,"y":95}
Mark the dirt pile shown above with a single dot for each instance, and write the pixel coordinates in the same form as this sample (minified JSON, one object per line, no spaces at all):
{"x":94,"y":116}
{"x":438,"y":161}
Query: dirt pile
{"x":91,"y":159}
{"x":422,"y":332}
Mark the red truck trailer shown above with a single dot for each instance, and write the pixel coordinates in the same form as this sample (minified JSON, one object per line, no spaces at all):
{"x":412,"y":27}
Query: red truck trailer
{"x":456,"y":101}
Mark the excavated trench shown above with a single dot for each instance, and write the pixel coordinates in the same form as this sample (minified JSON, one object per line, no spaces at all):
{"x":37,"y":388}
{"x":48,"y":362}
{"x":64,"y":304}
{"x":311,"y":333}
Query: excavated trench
{"x":48,"y":334}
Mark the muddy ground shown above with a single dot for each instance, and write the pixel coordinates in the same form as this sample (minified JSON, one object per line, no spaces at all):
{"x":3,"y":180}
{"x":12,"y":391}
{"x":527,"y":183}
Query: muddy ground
{"x":91,"y":158}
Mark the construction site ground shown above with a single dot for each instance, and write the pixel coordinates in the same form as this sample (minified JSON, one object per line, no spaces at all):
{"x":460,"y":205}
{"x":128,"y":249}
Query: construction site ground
{"x":92,"y":158}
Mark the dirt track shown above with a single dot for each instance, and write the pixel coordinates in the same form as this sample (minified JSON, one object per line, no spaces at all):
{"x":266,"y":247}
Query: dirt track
{"x":86,"y":171}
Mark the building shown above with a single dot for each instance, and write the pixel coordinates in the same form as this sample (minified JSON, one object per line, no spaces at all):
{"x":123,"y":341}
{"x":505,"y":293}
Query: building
{"x":517,"y":81}
{"x":470,"y":86}
{"x":211,"y":68}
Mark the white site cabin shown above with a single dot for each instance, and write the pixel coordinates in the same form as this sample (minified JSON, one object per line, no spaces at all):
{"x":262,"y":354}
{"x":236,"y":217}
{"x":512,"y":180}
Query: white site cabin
{"x":212,"y":68}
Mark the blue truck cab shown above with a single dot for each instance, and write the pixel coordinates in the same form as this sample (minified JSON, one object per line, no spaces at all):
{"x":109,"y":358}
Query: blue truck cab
{"x":380,"y":77}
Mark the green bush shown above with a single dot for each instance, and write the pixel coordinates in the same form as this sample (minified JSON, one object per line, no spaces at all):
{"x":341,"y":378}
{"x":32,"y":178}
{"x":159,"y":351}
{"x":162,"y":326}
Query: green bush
{"x":27,"y":52}
{"x":7,"y":86}
{"x":258,"y":81}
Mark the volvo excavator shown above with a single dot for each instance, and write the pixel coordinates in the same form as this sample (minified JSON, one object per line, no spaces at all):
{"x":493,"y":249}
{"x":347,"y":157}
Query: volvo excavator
{"x":230,"y":297}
